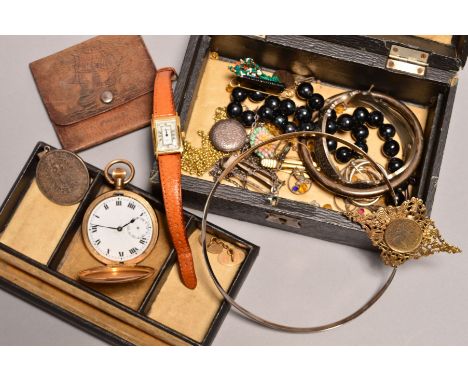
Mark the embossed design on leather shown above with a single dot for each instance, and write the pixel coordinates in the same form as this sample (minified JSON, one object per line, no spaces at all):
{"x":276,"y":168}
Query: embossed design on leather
{"x":72,"y":81}
{"x":96,"y":69}
{"x":170,"y":174}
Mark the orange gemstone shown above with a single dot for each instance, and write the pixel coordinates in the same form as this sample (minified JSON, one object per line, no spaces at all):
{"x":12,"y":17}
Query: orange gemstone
{"x":340,"y":109}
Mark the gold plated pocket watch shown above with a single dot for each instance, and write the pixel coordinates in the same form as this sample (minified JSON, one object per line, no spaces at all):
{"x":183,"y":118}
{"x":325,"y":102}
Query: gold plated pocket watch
{"x":120,"y":229}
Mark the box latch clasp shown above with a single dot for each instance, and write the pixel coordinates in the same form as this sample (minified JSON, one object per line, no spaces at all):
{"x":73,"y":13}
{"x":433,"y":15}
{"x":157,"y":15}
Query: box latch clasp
{"x":283,"y":220}
{"x":407,"y":60}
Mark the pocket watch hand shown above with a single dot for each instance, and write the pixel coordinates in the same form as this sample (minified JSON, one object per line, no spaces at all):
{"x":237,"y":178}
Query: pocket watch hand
{"x":131,"y":221}
{"x":103,"y":226}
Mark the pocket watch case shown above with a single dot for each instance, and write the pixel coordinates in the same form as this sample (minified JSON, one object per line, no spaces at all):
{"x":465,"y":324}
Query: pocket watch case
{"x":420,"y":71}
{"x":42,"y":251}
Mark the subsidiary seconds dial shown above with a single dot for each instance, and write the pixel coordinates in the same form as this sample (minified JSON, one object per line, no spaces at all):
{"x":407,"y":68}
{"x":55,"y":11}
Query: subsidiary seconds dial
{"x":120,"y":229}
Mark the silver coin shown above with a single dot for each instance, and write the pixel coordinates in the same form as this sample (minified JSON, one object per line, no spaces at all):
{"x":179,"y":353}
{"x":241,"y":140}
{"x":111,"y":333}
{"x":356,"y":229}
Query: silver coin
{"x":62,"y":177}
{"x":228,"y":135}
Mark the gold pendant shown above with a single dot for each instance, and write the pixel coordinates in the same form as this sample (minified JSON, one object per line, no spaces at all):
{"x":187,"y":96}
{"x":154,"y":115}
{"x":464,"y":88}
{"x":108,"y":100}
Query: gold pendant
{"x":402,"y":233}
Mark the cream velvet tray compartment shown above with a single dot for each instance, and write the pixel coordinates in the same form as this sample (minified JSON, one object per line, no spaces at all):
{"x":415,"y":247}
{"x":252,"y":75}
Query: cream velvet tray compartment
{"x":338,"y":63}
{"x":155,"y":311}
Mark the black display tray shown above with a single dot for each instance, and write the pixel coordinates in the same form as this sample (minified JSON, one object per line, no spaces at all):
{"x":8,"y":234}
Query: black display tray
{"x":49,"y":271}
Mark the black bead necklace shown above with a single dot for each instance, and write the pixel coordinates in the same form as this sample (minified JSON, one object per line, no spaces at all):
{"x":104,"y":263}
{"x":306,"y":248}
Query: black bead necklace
{"x":283,"y":113}
{"x":358,"y":124}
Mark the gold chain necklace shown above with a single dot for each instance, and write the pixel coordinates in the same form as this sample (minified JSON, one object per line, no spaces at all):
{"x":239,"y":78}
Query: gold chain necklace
{"x":198,"y":160}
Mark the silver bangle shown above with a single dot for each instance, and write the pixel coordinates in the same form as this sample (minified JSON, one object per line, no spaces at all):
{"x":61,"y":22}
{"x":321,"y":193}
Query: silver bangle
{"x":245,"y":312}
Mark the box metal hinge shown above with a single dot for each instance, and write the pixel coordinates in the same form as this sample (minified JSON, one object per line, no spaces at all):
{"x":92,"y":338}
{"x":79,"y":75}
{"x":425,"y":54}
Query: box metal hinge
{"x":407,"y":60}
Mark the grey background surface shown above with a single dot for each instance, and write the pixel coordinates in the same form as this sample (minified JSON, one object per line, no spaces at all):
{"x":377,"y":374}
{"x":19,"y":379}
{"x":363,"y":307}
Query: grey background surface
{"x":296,"y":280}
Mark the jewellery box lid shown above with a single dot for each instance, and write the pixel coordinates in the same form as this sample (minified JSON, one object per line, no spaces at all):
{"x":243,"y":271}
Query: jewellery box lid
{"x":447,"y":52}
{"x":93,"y":77}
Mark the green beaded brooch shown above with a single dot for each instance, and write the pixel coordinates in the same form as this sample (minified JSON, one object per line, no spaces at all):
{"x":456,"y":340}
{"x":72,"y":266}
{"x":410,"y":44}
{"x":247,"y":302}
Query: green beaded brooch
{"x":249,"y":72}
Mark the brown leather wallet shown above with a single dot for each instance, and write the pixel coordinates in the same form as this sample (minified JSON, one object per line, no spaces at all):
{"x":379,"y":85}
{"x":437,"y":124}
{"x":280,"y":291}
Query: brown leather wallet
{"x":168,"y":147}
{"x":97,"y":90}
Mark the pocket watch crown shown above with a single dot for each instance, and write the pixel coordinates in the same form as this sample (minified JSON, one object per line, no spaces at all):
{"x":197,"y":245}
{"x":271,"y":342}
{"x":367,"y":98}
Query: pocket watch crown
{"x":119,"y":174}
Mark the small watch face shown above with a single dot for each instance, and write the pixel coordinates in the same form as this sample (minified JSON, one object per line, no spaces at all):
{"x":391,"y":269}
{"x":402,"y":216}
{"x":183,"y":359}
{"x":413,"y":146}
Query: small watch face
{"x":167,"y":135}
{"x":120,"y":228}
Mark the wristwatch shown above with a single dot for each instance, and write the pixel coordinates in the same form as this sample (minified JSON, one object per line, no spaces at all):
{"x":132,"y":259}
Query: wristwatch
{"x":165,"y":127}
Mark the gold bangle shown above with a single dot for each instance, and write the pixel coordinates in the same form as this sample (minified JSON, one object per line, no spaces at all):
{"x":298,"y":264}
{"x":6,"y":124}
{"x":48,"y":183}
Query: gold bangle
{"x":402,"y":118}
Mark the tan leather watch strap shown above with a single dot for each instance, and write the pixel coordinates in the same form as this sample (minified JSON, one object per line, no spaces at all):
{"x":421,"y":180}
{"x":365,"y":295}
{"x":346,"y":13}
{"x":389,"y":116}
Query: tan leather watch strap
{"x":170,"y":174}
{"x":169,"y":167}
{"x":163,"y":99}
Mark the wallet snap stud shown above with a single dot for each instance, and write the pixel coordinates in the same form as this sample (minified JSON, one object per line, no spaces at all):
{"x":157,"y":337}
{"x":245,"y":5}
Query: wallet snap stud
{"x":107,"y":96}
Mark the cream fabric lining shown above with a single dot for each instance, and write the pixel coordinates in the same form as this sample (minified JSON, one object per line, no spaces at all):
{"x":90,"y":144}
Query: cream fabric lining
{"x":191,"y":312}
{"x":37,"y":225}
{"x":83,"y":309}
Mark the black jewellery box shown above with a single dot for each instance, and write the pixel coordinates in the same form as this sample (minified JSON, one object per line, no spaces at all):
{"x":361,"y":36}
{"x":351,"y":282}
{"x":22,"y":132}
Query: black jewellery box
{"x":41,"y":252}
{"x":420,"y":71}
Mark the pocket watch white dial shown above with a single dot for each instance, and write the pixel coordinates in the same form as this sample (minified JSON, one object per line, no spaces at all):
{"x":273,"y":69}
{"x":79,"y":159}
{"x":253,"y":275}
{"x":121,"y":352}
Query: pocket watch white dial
{"x":120,"y":228}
